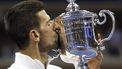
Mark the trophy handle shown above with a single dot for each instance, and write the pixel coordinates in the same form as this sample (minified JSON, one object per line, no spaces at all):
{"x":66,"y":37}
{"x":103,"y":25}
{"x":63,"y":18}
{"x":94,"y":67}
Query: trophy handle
{"x":102,"y":14}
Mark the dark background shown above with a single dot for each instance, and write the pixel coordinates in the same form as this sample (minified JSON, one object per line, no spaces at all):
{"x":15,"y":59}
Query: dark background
{"x":113,"y":53}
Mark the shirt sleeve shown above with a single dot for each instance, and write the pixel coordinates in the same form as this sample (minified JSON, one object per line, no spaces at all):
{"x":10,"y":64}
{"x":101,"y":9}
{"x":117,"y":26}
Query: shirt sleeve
{"x":22,"y":67}
{"x":53,"y":67}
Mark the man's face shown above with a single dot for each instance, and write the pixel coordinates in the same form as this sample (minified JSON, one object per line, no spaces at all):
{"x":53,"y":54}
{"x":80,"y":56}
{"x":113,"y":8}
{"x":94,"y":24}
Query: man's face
{"x":48,"y":36}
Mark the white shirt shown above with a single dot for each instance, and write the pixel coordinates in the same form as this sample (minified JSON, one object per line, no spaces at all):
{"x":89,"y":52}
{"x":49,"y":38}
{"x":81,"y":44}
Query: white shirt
{"x":74,"y":59}
{"x":68,"y":58}
{"x":23,"y":61}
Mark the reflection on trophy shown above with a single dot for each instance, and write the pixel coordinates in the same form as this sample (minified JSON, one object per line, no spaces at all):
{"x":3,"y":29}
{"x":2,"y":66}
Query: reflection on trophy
{"x":80,"y":34}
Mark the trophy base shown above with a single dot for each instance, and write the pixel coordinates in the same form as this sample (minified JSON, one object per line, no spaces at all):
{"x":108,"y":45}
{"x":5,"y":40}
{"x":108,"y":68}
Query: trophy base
{"x":90,"y":53}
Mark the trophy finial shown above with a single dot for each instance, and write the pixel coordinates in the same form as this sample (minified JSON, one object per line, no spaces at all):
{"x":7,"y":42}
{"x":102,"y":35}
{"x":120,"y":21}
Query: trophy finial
{"x":72,"y":6}
{"x":70,"y":1}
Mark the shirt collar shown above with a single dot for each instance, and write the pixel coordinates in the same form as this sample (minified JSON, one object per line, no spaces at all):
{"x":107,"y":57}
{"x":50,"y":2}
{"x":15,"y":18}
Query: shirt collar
{"x":28,"y":61}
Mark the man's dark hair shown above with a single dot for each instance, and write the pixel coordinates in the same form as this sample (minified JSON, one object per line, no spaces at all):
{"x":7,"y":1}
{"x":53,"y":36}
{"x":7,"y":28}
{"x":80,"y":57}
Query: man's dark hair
{"x":20,"y":19}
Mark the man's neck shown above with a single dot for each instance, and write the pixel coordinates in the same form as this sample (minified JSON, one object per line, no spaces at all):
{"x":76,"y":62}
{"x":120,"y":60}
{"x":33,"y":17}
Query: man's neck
{"x":34,"y":53}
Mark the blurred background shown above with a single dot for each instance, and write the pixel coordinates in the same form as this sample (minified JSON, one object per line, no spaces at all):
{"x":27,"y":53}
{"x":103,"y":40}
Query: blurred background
{"x":113,"y":53}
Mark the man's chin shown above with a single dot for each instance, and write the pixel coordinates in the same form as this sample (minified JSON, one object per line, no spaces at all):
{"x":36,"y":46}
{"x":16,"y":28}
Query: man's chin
{"x":54,"y":46}
{"x":54,"y":51}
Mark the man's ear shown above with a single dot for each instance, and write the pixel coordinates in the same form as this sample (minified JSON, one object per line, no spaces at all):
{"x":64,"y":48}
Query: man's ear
{"x":34,"y":35}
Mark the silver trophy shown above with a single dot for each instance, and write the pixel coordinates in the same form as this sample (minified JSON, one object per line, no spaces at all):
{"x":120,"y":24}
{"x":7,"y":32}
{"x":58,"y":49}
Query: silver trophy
{"x":80,"y":34}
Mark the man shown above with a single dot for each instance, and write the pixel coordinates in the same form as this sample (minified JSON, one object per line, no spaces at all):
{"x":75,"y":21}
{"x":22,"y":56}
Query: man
{"x":30,"y":27}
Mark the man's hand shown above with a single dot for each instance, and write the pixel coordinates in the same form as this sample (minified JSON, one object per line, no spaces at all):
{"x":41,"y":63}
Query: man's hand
{"x":95,"y":62}
{"x":61,"y":34}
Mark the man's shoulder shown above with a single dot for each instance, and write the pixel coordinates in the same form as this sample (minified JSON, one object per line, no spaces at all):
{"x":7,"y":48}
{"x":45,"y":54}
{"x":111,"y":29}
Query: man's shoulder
{"x":27,"y":66}
{"x":49,"y":66}
{"x":15,"y":66}
{"x":25,"y":62}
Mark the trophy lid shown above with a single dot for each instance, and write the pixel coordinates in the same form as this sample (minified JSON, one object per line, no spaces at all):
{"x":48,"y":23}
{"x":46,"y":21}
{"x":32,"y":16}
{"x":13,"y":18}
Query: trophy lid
{"x":79,"y":14}
{"x":86,"y":13}
{"x":73,"y":9}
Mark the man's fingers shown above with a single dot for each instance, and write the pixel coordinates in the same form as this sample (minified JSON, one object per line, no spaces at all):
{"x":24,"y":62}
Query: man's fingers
{"x":95,"y":62}
{"x":99,"y":56}
{"x":99,"y":37}
{"x":61,"y":34}
{"x":59,"y":21}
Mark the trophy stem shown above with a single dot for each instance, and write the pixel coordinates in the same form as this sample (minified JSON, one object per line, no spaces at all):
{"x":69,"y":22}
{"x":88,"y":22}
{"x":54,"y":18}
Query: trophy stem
{"x":83,"y":64}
